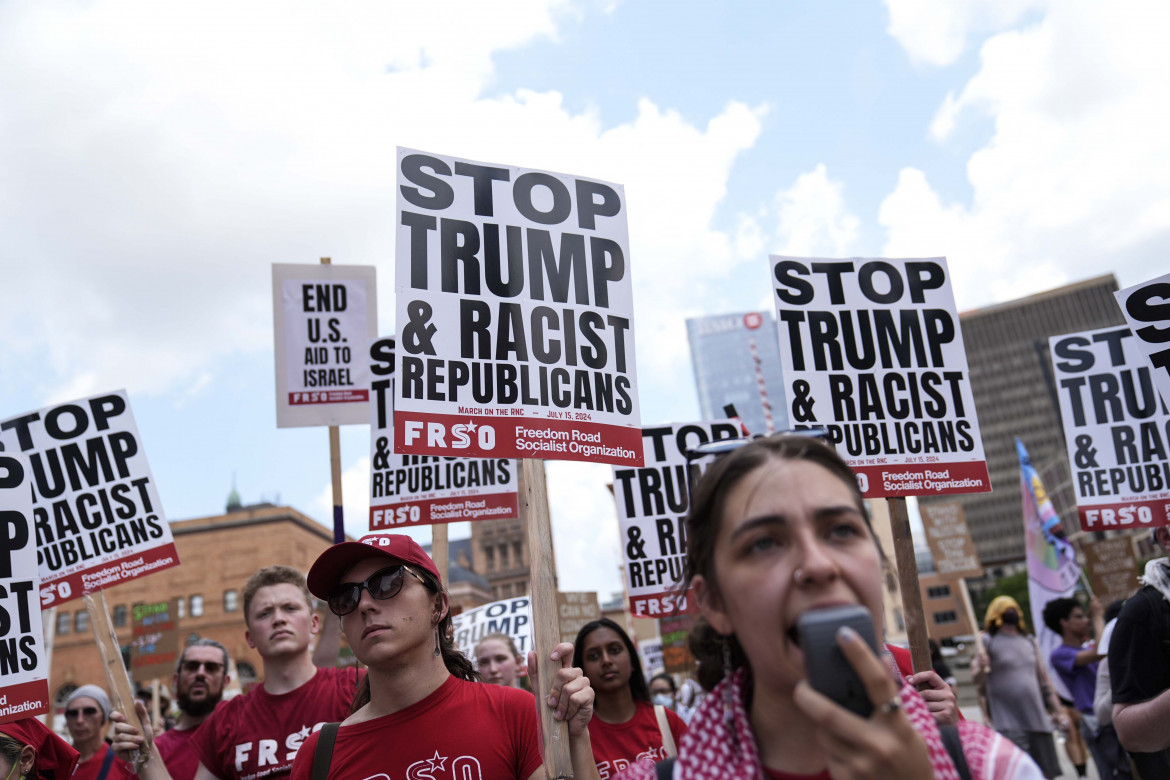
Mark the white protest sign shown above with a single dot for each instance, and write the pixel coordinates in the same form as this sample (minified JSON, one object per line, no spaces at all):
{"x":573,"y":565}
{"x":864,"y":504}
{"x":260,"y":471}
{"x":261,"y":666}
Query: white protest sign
{"x":408,"y":490}
{"x":23,"y":665}
{"x":1147,"y":310}
{"x":652,"y":503}
{"x":515,"y":314}
{"x":98,"y":518}
{"x":511,"y":617}
{"x":872,"y":350}
{"x":323,"y":317}
{"x":650,"y":653}
{"x":1116,"y":428}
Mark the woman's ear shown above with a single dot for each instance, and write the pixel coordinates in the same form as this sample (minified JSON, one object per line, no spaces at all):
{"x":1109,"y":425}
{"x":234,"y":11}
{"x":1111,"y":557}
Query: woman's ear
{"x":711,"y":605}
{"x":442,"y":607}
{"x":28,"y":756}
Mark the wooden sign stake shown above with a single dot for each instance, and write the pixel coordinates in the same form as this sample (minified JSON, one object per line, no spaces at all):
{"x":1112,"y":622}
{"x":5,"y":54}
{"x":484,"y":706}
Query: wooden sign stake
{"x":546,"y":626}
{"x":908,"y":581}
{"x":121,"y":694}
{"x":440,"y":551}
{"x":335,"y":468}
{"x":965,"y":592}
{"x":155,"y":702}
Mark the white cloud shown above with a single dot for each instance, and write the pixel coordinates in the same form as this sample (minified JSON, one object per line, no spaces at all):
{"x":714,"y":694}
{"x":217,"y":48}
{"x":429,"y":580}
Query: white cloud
{"x":158,"y":157}
{"x":814,"y":220}
{"x":1074,"y":180}
{"x":936,"y":33}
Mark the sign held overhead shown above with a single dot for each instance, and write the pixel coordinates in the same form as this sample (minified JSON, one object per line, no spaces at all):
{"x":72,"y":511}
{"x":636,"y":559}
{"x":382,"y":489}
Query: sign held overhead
{"x":515,"y":314}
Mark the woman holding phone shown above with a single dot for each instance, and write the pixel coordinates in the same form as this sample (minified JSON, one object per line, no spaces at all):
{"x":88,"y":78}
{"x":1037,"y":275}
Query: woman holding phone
{"x":778,"y":530}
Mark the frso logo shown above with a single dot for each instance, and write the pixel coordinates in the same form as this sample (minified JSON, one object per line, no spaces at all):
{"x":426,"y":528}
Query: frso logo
{"x":462,"y":435}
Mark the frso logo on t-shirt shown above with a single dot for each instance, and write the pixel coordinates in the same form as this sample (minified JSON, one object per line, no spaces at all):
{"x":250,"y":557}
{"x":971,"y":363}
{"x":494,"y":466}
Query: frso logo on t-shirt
{"x":266,"y":759}
{"x":437,"y":768}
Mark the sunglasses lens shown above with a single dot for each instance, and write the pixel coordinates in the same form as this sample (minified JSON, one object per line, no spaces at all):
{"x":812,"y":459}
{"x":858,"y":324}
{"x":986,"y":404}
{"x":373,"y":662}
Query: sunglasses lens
{"x":385,"y":584}
{"x":344,"y":599}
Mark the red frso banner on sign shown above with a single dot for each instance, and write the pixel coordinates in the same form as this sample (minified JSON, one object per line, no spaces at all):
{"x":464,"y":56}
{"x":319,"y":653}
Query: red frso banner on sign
{"x":330,"y":397}
{"x":913,"y":480}
{"x":482,"y":437}
{"x":109,"y":574}
{"x":513,"y":299}
{"x":24,"y":700}
{"x":444,"y":510}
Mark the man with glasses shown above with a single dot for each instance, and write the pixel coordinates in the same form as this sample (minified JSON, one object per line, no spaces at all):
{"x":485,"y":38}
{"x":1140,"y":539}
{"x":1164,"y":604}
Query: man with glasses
{"x":87,"y":715}
{"x":200,"y":676}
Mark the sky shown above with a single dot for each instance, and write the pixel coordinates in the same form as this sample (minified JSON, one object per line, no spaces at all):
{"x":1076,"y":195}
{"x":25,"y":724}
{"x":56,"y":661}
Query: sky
{"x":157,"y":158}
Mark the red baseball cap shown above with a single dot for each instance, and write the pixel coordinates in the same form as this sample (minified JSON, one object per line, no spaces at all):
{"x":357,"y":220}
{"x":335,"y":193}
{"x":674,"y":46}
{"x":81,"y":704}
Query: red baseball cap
{"x":327,"y":570}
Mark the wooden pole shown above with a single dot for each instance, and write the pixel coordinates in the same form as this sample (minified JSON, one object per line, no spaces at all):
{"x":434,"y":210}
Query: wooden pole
{"x":965,"y":592}
{"x":440,"y":551}
{"x":908,"y":581}
{"x":121,"y":694}
{"x":155,"y":703}
{"x":546,"y":627}
{"x":335,"y":468}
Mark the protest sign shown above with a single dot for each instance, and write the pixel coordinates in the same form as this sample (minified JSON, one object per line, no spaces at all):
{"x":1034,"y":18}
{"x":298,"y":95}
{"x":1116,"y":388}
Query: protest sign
{"x":676,"y":650}
{"x":950,"y":540}
{"x":1147,"y":310}
{"x":872,"y":350}
{"x":574,"y":610}
{"x":1112,"y":568}
{"x":154,"y":643}
{"x":510,"y":617}
{"x":323,"y":316}
{"x":1116,"y":429}
{"x":652,"y":504}
{"x":98,"y":518}
{"x":409,"y":490}
{"x":650,"y":653}
{"x":24,"y":667}
{"x":515,"y":314}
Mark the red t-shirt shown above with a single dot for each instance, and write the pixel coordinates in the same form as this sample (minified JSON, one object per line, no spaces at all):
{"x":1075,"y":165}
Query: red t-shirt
{"x":119,"y":769}
{"x":178,"y":754}
{"x":257,"y":735}
{"x":461,"y":730}
{"x":618,"y":745}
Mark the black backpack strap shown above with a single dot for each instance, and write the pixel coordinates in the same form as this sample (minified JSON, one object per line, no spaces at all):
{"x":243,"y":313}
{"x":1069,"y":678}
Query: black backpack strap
{"x":107,"y":762}
{"x":665,"y":769}
{"x":950,"y":738}
{"x":323,"y":755}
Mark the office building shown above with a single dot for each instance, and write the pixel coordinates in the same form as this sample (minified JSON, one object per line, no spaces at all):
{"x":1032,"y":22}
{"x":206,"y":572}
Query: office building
{"x":736,"y":359}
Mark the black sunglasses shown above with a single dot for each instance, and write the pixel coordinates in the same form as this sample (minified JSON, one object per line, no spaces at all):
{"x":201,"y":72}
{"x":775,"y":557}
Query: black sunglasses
{"x":212,"y":667}
{"x":88,"y":712}
{"x":382,"y":584}
{"x":717,"y":449}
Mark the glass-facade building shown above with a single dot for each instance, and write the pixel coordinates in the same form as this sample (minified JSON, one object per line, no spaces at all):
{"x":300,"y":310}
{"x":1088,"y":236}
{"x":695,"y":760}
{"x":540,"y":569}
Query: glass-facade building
{"x":736,"y":359}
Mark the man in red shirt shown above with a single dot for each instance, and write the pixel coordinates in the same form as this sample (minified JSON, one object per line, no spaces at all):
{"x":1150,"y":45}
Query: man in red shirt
{"x":87,"y":714}
{"x":200,"y":676}
{"x":257,"y":735}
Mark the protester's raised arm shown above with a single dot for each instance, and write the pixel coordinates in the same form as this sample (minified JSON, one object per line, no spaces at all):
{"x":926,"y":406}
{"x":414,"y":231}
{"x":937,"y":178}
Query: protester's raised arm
{"x":127,"y":742}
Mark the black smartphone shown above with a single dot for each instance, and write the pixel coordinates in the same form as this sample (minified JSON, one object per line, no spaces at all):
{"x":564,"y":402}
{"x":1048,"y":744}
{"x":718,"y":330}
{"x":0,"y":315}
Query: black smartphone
{"x":827,"y":668}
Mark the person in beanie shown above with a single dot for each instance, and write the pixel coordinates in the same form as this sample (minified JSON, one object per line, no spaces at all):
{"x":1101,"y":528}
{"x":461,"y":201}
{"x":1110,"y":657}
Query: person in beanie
{"x":421,"y":710}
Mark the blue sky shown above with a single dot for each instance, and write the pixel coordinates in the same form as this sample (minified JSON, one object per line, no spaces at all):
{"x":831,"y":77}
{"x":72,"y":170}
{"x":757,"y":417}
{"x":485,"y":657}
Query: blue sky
{"x":155,"y":159}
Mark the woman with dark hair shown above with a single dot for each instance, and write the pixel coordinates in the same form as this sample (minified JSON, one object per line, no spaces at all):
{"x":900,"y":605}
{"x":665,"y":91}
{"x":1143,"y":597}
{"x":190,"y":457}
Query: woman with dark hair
{"x":421,"y":703}
{"x":777,"y":529}
{"x":626,"y":727}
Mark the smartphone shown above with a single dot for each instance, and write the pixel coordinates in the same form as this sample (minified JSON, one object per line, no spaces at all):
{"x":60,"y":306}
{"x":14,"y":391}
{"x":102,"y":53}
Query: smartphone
{"x":827,"y":668}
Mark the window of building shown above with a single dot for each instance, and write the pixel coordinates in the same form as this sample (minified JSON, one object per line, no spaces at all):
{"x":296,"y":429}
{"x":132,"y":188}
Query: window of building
{"x":231,"y":600}
{"x":119,"y":615}
{"x":63,"y":694}
{"x":491,"y":557}
{"x":247,"y":672}
{"x":950,"y":616}
{"x":182,"y":606}
{"x":64,"y":622}
{"x":80,"y":621}
{"x":196,"y":606}
{"x":938,"y":591}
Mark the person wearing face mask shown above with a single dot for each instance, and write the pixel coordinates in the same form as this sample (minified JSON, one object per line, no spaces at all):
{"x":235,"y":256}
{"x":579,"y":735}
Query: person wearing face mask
{"x":626,"y":728}
{"x":663,"y":692}
{"x":1012,"y":673}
